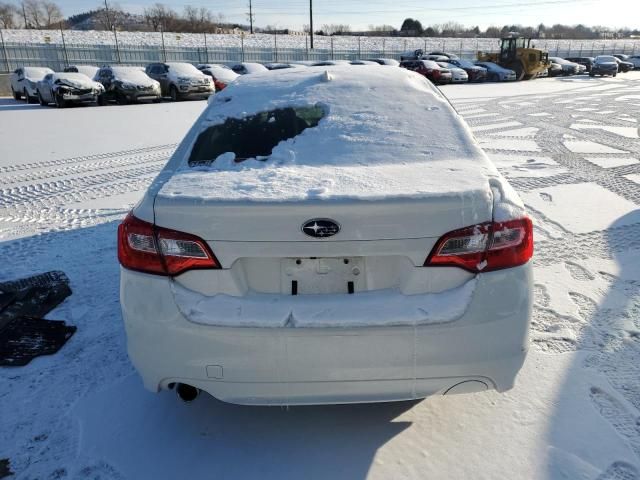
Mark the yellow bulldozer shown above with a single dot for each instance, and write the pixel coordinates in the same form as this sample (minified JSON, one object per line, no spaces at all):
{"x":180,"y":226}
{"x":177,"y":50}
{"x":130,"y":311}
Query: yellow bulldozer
{"x":517,"y":54}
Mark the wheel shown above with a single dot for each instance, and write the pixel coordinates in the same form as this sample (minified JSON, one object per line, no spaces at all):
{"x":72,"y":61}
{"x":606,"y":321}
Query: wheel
{"x":102,"y":100}
{"x":614,"y":74}
{"x":16,"y":95}
{"x":519,"y":69}
{"x":157,"y":100}
{"x":60,"y":102}
{"x":173,"y":93}
{"x":493,"y":77}
{"x":592,"y":74}
{"x":27,"y":98}
{"x":121,"y":99}
{"x":41,"y":100}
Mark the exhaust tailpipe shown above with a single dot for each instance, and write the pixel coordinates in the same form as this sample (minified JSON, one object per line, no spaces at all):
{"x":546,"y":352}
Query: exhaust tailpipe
{"x":187,"y":393}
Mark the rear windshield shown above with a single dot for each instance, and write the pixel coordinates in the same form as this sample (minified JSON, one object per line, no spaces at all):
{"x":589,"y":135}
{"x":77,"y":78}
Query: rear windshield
{"x":253,"y":136}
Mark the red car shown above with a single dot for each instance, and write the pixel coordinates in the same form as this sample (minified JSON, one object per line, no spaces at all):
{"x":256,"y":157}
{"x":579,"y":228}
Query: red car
{"x":221,"y":75}
{"x":429,"y":69}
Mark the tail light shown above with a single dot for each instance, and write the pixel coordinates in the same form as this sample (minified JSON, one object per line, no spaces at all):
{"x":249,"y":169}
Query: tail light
{"x":147,"y":248}
{"x":485,"y":247}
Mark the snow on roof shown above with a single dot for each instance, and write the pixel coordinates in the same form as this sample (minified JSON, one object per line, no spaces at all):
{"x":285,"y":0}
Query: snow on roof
{"x":184,"y":69}
{"x":222,"y":73}
{"x":132,"y":75}
{"x":254,"y":67}
{"x":386,"y":132}
{"x":36,"y":72}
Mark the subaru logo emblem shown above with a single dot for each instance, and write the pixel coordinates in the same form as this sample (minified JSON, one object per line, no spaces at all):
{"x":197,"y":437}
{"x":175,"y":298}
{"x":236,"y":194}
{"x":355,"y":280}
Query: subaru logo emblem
{"x":320,"y":228}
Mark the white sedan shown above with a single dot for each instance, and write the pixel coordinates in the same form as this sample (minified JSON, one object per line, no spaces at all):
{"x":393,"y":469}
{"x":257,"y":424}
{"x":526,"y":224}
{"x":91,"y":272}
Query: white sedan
{"x":24,"y":82}
{"x":327,"y":235}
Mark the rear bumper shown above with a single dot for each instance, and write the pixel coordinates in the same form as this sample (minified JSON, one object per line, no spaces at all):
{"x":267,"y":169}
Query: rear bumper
{"x":485,"y":348}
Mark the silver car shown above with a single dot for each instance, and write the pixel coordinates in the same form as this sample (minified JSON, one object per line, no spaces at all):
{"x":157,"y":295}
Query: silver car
{"x":24,"y":82}
{"x":286,"y":255}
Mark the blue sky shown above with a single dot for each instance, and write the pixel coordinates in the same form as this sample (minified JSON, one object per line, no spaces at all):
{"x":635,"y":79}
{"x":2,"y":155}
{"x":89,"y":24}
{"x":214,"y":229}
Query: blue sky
{"x":360,"y":13}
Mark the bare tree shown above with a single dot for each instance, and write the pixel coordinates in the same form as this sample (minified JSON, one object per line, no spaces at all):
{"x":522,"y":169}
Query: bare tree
{"x":160,"y":15}
{"x":335,"y":29}
{"x":51,"y":13}
{"x":34,"y":16}
{"x":8,"y":14}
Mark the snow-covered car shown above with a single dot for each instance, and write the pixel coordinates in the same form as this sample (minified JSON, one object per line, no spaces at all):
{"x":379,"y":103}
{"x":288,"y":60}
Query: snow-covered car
{"x":474,"y":72}
{"x":390,"y":62}
{"x":496,"y":73}
{"x":181,"y":80}
{"x":24,"y":82}
{"x":68,"y":88}
{"x":286,"y":255}
{"x":604,"y":65}
{"x":88,"y":70}
{"x":330,"y":63}
{"x":245,"y":68}
{"x":363,"y":62}
{"x":126,"y":85}
{"x":220,"y":75}
{"x":282,"y":66}
{"x":458,"y":75}
{"x":429,"y":69}
{"x":568,"y":68}
{"x":436,"y":58}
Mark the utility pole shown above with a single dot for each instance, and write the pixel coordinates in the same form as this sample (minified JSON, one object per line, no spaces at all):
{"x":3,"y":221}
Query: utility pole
{"x":112,"y":26}
{"x":250,"y":17}
{"x":311,"y":23}
{"x":24,"y":15}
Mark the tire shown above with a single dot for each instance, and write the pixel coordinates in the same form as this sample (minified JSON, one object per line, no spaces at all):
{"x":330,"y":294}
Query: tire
{"x":173,"y":93}
{"x":121,"y":99}
{"x":41,"y":100}
{"x":16,"y":95}
{"x":519,"y":69}
{"x":27,"y":98}
{"x":592,"y":74}
{"x":494,"y":77}
{"x":60,"y":102}
{"x":157,"y":100}
{"x":102,"y":100}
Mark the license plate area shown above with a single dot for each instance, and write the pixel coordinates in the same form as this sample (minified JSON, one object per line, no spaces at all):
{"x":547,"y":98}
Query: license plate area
{"x":308,"y":276}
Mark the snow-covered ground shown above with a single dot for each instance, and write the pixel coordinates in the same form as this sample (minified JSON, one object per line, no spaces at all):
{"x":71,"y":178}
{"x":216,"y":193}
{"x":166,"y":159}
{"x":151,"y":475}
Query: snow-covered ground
{"x":570,"y":147}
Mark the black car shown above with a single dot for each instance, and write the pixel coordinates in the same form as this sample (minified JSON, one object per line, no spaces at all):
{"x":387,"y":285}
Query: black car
{"x":475,"y":73}
{"x":624,"y":65}
{"x":586,"y":61}
{"x":604,"y":65}
{"x":126,"y":84}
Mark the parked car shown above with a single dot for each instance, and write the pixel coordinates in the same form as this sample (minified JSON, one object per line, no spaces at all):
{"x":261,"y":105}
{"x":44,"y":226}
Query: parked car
{"x":604,"y":65}
{"x":126,"y":85}
{"x":67,"y":88}
{"x":450,"y":56}
{"x":412,"y":55}
{"x":362,"y":62}
{"x":623,"y":66}
{"x":385,"y":61}
{"x":435,"y":58}
{"x":635,"y":59}
{"x":586,"y":62}
{"x":555,"y":69}
{"x":330,"y":63}
{"x":88,"y":70}
{"x":24,"y":82}
{"x":400,"y":281}
{"x":568,"y":68}
{"x":429,"y":69}
{"x":474,"y":72}
{"x":458,"y":75}
{"x":220,"y":75}
{"x":248,"y":67}
{"x":180,"y":80}
{"x":282,"y":66}
{"x":496,"y":73}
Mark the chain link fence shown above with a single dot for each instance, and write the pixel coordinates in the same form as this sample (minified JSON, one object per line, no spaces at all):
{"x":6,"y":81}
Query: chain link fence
{"x":57,"y":56}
